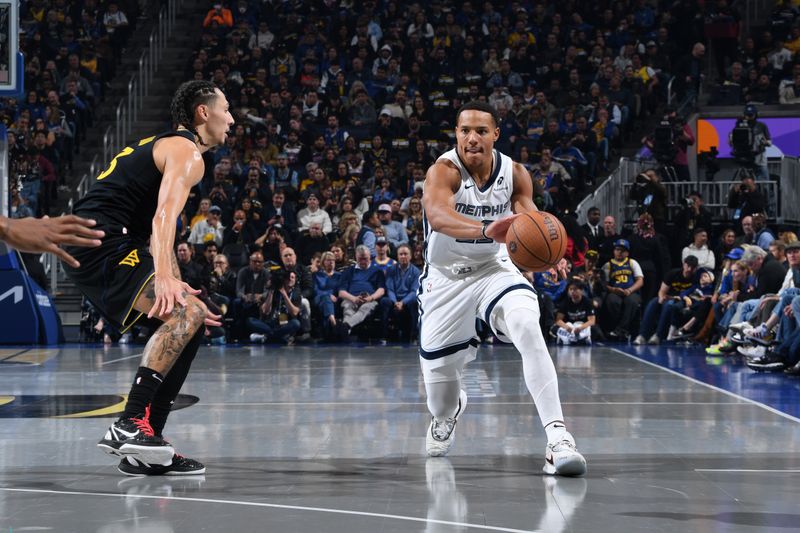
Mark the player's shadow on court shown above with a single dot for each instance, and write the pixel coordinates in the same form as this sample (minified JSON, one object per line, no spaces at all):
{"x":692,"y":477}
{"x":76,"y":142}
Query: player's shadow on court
{"x":771,"y":520}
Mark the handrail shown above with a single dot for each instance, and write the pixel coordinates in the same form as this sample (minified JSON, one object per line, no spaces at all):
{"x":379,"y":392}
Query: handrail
{"x":127,"y":111}
{"x":669,"y":91}
{"x":115,"y":137}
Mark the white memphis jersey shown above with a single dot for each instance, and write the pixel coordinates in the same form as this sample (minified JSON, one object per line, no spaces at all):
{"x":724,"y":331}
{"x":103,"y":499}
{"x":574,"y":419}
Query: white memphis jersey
{"x":492,"y":202}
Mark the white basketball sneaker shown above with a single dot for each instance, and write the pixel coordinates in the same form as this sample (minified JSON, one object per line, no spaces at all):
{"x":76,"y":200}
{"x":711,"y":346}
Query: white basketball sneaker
{"x":563,"y":459}
{"x":440,"y":433}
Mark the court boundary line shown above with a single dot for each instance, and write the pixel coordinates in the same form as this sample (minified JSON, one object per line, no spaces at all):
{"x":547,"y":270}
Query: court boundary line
{"x":121,"y":359}
{"x":749,"y":470}
{"x":710,"y":386}
{"x":272,"y":506}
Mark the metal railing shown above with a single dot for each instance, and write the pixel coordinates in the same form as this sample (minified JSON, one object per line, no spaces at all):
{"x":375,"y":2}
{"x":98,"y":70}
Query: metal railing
{"x":115,"y":138}
{"x":611,"y":197}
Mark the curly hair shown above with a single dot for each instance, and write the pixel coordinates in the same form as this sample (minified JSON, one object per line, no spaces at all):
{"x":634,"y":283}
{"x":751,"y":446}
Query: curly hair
{"x":188,"y":96}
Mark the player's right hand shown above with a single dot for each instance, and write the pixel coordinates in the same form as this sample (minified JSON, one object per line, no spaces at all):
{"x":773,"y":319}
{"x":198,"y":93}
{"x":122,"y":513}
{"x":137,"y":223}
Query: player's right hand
{"x":40,"y":235}
{"x":498,"y":229}
{"x":169,"y":291}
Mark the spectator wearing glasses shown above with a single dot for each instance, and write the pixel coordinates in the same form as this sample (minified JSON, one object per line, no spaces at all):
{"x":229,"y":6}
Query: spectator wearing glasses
{"x":210,"y":229}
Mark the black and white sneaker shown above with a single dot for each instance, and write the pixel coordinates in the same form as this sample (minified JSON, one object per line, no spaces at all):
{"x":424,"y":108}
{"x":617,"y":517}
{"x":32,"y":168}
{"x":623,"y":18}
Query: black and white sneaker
{"x":441,"y":433}
{"x":135,"y":437}
{"x":180,"y":466}
{"x":769,"y":362}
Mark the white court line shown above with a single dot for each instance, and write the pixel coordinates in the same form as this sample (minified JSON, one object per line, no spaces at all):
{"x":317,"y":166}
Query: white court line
{"x":693,"y":380}
{"x":747,"y":470}
{"x":273,"y":506}
{"x":489,"y":403}
{"x":121,"y":359}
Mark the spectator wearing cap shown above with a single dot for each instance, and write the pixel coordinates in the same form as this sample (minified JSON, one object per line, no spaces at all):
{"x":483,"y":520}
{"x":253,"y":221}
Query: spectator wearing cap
{"x":660,"y":311}
{"x":313,"y":214}
{"x":382,"y":259}
{"x":210,"y":229}
{"x":399,"y":306}
{"x":699,"y":249}
{"x":393,"y":229}
{"x":622,"y":300}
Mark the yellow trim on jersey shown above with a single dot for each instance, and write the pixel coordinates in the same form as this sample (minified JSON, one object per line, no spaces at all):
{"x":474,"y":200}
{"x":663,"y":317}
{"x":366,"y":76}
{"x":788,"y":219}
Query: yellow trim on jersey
{"x":146,"y":140}
{"x":126,"y":327}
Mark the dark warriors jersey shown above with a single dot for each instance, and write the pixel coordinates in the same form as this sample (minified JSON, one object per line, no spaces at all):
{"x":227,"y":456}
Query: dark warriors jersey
{"x":124,"y":197}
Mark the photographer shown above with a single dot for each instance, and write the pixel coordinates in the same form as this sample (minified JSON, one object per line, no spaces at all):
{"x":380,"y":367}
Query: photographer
{"x":693,"y":215}
{"x":279,"y":316}
{"x":669,"y":143}
{"x":650,"y":196}
{"x":745,"y":198}
{"x":749,"y":141}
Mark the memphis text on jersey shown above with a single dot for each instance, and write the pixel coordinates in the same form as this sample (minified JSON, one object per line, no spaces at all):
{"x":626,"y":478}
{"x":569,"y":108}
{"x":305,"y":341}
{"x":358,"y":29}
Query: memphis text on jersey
{"x":481,"y":210}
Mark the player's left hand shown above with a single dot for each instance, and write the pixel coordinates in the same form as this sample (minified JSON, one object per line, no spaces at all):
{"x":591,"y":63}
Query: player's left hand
{"x":497,"y":230}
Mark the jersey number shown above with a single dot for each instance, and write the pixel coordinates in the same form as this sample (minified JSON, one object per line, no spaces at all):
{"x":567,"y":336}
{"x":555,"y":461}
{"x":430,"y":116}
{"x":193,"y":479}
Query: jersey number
{"x":621,"y":278}
{"x":126,"y":151}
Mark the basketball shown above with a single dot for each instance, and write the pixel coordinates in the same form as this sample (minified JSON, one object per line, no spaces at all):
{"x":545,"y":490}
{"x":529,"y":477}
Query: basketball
{"x":536,"y":241}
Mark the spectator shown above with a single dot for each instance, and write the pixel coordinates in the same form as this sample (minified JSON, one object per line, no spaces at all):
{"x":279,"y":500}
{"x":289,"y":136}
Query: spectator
{"x":692,"y":215}
{"x":326,"y":290}
{"x":699,"y":249}
{"x":361,"y":287}
{"x":763,"y":236}
{"x":281,"y":213}
{"x":251,"y":290}
{"x":399,"y":306}
{"x":210,"y":229}
{"x":592,"y":229}
{"x":575,"y":317}
{"x":650,"y":196}
{"x":222,"y":282}
{"x":622,"y":302}
{"x":313,"y":214}
{"x":313,"y":243}
{"x":279,"y":316}
{"x":191,"y":271}
{"x":366,"y":235}
{"x":220,"y":15}
{"x":395,"y":231}
{"x":745,"y":198}
{"x":382,"y":259}
{"x":658,"y":314}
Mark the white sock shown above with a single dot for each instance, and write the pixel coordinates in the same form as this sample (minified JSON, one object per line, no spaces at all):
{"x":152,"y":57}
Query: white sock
{"x":443,"y":398}
{"x":555,"y":431}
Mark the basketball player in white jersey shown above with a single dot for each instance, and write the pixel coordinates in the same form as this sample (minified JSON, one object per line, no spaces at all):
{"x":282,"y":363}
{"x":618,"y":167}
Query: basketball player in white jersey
{"x":471,"y":195}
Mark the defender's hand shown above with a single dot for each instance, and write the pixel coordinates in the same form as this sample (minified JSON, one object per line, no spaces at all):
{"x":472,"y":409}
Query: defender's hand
{"x":39,"y":235}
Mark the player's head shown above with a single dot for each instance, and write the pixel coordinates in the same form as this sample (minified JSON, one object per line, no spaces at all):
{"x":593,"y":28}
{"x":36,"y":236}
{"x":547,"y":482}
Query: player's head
{"x":200,"y":107}
{"x":476,"y":131}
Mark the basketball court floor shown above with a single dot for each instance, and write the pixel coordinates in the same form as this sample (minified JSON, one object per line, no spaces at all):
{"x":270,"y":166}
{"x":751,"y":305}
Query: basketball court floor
{"x":331,"y":439}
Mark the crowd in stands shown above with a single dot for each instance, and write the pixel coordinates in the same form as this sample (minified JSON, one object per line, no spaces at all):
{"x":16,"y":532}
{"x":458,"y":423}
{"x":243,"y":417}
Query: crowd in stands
{"x":72,"y":50}
{"x":762,"y":68}
{"x":309,"y":220}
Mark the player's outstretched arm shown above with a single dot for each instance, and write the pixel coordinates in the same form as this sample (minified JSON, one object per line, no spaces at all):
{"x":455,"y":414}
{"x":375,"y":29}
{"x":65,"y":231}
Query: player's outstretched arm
{"x":39,"y":235}
{"x":183,"y":168}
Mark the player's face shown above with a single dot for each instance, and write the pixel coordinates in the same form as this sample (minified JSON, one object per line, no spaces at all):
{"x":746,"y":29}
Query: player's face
{"x":219,"y":120}
{"x":476,"y":134}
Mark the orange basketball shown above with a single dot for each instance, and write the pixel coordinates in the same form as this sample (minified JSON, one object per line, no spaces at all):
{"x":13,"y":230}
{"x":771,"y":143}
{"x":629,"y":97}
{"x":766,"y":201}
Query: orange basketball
{"x":536,"y":241}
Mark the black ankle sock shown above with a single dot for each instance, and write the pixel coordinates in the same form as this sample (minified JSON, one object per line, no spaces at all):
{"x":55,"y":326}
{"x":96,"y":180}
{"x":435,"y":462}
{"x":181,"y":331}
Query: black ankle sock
{"x":144,"y":387}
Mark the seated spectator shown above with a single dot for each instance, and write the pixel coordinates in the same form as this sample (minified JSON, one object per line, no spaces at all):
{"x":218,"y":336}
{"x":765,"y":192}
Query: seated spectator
{"x":660,"y":311}
{"x":382,"y":259}
{"x":191,"y":271}
{"x":251,"y":290}
{"x":313,"y":243}
{"x":202,"y":212}
{"x":790,"y":91}
{"x":280,"y":212}
{"x":697,"y":303}
{"x":221,"y":283}
{"x":366,"y":235}
{"x":210,"y":229}
{"x":360,"y":290}
{"x":550,"y":285}
{"x":399,"y":306}
{"x":394,"y":230}
{"x":575,"y":317}
{"x":279,"y":318}
{"x":622,"y":301}
{"x":551,"y":183}
{"x":699,"y":249}
{"x":763,"y":237}
{"x":314,"y":214}
{"x":326,"y":290}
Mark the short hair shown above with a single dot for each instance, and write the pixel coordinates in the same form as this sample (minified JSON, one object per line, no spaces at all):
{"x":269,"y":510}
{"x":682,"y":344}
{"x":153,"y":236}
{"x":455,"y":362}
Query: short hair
{"x":752,"y":253}
{"x":407,"y":247}
{"x":477,"y":105}
{"x":366,"y":216}
{"x":594,"y":209}
{"x":779,"y":244}
{"x":362,"y":250}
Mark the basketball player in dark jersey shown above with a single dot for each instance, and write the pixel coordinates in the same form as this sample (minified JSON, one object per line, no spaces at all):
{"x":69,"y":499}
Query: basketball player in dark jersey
{"x":137,"y":199}
{"x":41,"y":235}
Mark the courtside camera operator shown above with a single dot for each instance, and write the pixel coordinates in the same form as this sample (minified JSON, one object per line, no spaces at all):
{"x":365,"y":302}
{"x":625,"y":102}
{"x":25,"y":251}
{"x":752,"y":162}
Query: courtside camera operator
{"x":749,"y":141}
{"x":669,"y":143}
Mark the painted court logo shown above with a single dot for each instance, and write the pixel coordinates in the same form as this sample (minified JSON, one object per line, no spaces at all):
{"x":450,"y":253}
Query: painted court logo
{"x":131,"y":260}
